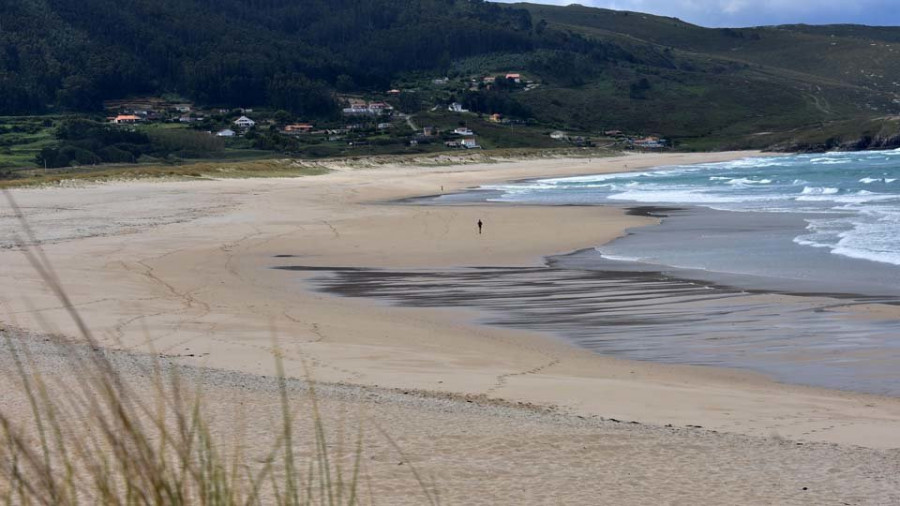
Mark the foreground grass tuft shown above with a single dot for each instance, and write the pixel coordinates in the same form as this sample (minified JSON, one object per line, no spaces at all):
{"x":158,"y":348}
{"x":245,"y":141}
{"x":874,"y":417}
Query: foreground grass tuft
{"x":98,"y":440}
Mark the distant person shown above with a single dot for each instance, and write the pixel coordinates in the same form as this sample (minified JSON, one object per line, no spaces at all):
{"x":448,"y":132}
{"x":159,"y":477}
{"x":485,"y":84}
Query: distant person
{"x":480,"y":224}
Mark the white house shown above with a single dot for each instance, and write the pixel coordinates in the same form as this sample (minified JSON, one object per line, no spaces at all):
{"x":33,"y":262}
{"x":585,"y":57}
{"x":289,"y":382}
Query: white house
{"x":380,"y":107}
{"x":456,"y":107}
{"x":463,"y":131}
{"x":226,"y":133}
{"x":650,"y":143}
{"x":244,"y":122}
{"x":559,"y":135}
{"x":469,"y":143}
{"x":360,"y":111}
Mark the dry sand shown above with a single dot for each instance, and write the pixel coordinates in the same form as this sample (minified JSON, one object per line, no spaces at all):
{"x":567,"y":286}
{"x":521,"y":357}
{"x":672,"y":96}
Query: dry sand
{"x":183,"y":268}
{"x":474,"y":451}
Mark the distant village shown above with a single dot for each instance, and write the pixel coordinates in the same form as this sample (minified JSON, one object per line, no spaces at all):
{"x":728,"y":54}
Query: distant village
{"x":366,"y":118}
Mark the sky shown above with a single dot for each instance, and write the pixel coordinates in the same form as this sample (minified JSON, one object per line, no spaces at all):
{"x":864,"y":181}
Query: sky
{"x":740,"y":13}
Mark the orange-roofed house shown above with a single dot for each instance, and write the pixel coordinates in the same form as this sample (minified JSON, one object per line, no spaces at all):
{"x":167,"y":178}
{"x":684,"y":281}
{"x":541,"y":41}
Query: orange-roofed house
{"x":126,"y":119}
{"x":298,"y":128}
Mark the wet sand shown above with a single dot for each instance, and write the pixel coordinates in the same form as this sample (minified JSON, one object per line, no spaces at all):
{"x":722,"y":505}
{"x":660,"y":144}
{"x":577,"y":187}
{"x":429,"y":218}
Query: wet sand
{"x":650,"y":316}
{"x":187,"y":269}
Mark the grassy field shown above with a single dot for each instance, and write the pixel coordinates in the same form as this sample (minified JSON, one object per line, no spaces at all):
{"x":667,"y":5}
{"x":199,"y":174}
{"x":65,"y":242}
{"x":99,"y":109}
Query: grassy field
{"x":22,"y":138}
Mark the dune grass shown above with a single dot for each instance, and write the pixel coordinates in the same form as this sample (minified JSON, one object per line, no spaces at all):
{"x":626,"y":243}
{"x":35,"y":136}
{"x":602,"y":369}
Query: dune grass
{"x":92,"y":438}
{"x":287,"y":167}
{"x":207,"y":169}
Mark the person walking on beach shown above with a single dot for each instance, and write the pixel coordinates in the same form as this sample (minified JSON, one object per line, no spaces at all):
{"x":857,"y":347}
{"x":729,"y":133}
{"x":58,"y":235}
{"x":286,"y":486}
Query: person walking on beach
{"x":480,"y":224}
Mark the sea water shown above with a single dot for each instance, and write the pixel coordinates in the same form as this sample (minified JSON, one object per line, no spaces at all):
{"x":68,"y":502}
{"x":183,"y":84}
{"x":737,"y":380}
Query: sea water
{"x":831,"y":219}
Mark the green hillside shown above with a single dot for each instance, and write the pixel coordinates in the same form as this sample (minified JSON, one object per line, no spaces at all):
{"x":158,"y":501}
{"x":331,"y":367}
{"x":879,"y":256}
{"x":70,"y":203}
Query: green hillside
{"x":852,"y":54}
{"x":786,"y":86}
{"x":584,"y":71}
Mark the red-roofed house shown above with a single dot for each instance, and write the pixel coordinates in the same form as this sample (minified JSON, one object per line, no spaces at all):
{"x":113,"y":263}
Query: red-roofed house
{"x":380,"y":106}
{"x":126,"y":119}
{"x":298,"y":128}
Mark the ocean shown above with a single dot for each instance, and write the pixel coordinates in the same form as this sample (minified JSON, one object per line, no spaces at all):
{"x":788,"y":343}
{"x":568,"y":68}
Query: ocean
{"x":814,"y":222}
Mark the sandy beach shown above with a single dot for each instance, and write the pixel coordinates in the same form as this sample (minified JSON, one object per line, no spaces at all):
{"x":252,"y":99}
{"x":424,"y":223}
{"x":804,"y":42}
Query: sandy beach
{"x":184,"y":270}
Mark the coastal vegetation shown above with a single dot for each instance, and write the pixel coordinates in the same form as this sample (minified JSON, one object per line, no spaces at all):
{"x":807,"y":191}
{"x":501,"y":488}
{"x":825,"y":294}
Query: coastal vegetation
{"x":134,"y":448}
{"x":258,"y":165}
{"x":511,"y":74}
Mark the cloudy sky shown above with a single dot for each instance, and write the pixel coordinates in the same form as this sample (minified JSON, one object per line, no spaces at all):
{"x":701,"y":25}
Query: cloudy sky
{"x":758,"y":12}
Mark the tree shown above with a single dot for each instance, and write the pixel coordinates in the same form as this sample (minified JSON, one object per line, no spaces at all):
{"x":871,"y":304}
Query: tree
{"x":77,"y":53}
{"x":344,"y":83}
{"x":79,"y":92}
{"x":282,"y":117}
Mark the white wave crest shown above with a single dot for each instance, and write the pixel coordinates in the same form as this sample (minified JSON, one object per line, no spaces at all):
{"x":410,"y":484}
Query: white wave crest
{"x":828,"y":161}
{"x":814,"y":190}
{"x":683,"y":196}
{"x":885,"y":257}
{"x":870,"y":180}
{"x":736,"y":181}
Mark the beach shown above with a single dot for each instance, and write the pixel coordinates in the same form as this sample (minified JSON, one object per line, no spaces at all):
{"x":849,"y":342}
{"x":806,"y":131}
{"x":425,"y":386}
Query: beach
{"x":185,"y":270}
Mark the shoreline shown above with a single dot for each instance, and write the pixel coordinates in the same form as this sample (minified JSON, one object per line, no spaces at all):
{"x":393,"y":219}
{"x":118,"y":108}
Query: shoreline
{"x":777,"y":245}
{"x":664,"y":213}
{"x":200,"y":287}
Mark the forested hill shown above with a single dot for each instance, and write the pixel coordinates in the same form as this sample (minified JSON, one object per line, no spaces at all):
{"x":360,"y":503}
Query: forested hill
{"x":592,"y":68}
{"x":75,"y":53}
